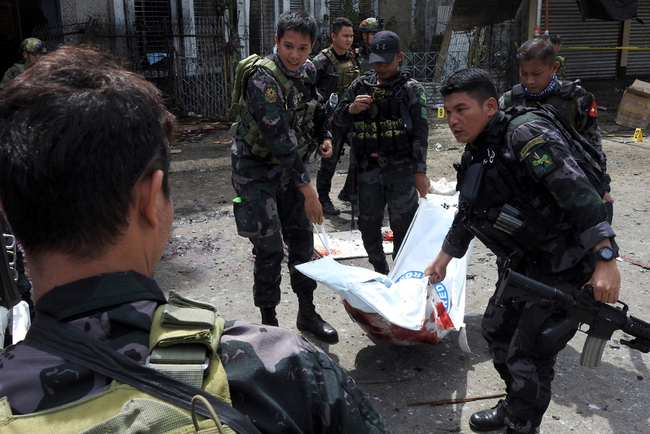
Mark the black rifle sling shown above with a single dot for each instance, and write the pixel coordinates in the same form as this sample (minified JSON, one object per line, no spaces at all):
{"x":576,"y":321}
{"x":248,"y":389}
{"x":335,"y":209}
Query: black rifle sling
{"x":68,"y":342}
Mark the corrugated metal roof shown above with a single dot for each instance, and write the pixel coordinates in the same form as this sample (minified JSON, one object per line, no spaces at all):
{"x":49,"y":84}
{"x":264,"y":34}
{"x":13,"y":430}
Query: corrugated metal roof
{"x":472,"y":13}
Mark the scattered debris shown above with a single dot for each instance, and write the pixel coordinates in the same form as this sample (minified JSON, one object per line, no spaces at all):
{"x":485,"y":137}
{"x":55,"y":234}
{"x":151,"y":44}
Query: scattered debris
{"x":632,"y":261}
{"x":456,"y":400}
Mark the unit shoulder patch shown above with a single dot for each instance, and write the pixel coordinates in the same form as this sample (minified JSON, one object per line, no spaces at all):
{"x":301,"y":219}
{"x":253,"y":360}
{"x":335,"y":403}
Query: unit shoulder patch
{"x":270,"y":93}
{"x":542,"y":162}
{"x":530,"y":145}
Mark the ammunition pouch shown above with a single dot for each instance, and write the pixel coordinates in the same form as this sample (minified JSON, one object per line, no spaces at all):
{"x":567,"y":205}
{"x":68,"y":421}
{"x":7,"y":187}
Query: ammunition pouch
{"x":382,"y":128}
{"x":302,"y":126}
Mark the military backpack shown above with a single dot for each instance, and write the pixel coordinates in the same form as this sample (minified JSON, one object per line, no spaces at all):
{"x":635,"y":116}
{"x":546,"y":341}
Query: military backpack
{"x":185,"y":392}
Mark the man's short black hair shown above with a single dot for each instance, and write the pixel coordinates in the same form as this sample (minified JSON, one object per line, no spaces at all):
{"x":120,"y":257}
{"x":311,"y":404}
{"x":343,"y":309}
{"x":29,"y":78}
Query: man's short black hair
{"x":475,"y":82}
{"x":339,"y":23}
{"x":76,"y":133}
{"x":298,"y":21}
{"x":537,"y":49}
{"x":556,"y":39}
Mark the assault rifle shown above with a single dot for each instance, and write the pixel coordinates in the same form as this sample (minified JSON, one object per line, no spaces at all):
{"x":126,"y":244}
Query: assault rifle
{"x":602,"y":318}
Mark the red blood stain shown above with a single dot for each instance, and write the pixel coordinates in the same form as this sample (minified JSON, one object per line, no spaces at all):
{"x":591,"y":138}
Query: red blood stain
{"x":380,"y":328}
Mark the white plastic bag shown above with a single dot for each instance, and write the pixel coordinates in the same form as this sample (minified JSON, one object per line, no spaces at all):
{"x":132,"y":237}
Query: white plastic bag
{"x":409,"y":311}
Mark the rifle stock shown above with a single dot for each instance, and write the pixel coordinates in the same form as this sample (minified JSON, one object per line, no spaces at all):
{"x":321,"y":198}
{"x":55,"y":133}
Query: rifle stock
{"x":603,"y":319}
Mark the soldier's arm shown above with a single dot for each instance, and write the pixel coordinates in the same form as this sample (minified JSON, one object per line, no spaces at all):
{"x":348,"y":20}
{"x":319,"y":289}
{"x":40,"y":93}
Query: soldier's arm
{"x":549,"y":161}
{"x":419,"y":134}
{"x":341,"y":116}
{"x":266,"y":103}
{"x":587,"y":125}
{"x":504,"y":101}
{"x":321,"y":61}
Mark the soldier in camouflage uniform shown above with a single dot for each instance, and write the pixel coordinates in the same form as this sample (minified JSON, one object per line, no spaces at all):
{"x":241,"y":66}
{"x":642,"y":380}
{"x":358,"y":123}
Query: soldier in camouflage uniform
{"x":270,"y":149}
{"x":540,"y":84}
{"x":94,"y":215}
{"x":31,"y":49}
{"x":336,"y":68}
{"x":388,"y":113}
{"x":556,"y":40}
{"x":523,"y":168}
{"x":368,"y":28}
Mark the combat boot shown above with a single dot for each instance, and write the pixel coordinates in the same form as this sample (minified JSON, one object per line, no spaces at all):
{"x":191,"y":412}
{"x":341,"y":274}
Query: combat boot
{"x":268,"y":316}
{"x":491,"y":419}
{"x":309,"y":320}
{"x":328,"y":207}
{"x":381,"y":267}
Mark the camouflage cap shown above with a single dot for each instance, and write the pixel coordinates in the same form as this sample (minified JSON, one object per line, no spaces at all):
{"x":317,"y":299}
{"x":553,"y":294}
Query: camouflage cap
{"x":370,"y":25}
{"x":34,"y":46}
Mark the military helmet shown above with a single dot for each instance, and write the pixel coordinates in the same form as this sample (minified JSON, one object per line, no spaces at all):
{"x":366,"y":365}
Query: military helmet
{"x":34,"y":46}
{"x":371,"y":25}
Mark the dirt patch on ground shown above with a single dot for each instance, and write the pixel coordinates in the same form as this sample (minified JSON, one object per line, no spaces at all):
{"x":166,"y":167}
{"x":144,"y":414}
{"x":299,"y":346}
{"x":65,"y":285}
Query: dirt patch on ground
{"x":206,"y":260}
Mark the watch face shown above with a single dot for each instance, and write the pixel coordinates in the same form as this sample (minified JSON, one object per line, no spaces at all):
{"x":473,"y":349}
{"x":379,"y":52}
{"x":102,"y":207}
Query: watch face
{"x":606,"y":253}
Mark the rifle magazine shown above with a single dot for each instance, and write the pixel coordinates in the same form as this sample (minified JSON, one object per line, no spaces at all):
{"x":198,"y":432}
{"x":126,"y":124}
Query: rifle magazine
{"x":592,"y":352}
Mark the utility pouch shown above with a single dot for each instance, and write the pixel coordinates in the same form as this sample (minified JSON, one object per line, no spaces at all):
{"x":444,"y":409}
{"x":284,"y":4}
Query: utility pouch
{"x":247,"y":214}
{"x":508,"y":220}
{"x":472,"y":183}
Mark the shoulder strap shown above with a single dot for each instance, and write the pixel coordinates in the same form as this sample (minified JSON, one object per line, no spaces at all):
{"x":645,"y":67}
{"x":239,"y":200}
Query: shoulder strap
{"x":66,"y":341}
{"x":567,"y":88}
{"x":517,"y":94}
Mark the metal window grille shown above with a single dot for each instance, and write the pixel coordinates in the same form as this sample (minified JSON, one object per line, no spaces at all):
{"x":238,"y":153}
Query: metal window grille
{"x":296,"y":5}
{"x":261,"y":26}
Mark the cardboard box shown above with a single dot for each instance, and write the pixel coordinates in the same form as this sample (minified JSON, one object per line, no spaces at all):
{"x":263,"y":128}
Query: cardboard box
{"x":634,"y":109}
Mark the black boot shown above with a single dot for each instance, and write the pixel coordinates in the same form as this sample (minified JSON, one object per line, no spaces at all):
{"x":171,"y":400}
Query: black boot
{"x":309,"y":320}
{"x":381,"y":267}
{"x":328,"y":207}
{"x":489,"y":420}
{"x":268,"y":316}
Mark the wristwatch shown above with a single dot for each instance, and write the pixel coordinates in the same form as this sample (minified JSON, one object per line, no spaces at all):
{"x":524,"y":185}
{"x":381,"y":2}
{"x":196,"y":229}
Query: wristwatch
{"x":605,"y":254}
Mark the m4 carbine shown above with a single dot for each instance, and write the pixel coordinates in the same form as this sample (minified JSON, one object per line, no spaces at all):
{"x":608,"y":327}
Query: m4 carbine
{"x":603,"y":319}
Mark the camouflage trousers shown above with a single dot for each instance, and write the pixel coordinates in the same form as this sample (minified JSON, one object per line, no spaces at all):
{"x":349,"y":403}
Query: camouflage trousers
{"x":327,"y":166}
{"x":276,"y":213}
{"x":524,"y":357}
{"x":379,"y":188}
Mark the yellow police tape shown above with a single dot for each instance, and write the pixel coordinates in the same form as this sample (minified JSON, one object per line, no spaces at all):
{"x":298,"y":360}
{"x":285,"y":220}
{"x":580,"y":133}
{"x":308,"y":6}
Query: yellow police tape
{"x":606,"y":48}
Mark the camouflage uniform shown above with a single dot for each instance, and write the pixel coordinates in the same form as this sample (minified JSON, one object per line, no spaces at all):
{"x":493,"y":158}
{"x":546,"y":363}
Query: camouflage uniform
{"x":564,"y":217}
{"x":279,"y":380}
{"x":572,"y":100}
{"x":362,"y":54}
{"x":12,"y":73}
{"x":267,"y":176}
{"x":333,"y":76}
{"x":388,"y":155}
{"x":561,"y":75}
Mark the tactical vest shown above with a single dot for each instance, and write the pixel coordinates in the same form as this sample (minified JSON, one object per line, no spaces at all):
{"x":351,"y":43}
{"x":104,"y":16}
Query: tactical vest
{"x":339,"y":74}
{"x":382,"y":126}
{"x":362,"y":56}
{"x":183,"y":343}
{"x":505,"y":208}
{"x":564,"y":101}
{"x":301,"y":116}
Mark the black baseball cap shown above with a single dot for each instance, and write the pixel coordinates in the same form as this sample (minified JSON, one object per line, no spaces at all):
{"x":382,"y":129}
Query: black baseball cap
{"x":383,"y":47}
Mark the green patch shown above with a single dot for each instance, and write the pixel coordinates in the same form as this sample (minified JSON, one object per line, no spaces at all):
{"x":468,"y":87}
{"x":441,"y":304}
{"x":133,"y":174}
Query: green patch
{"x":542,"y":163}
{"x":424,"y":112}
{"x":530,"y":145}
